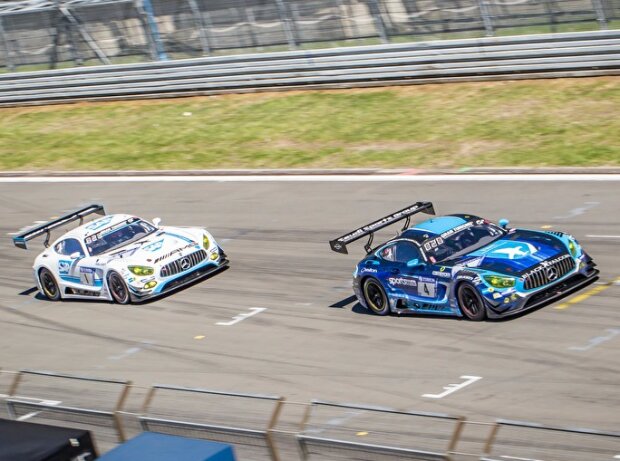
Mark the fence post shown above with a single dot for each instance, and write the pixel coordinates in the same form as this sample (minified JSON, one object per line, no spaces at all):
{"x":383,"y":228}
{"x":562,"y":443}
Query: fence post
{"x":375,"y":11}
{"x":286,"y":24}
{"x":72,"y":21}
{"x":7,"y":48}
{"x":153,"y":32}
{"x":486,"y":18}
{"x":551,"y":14}
{"x":600,"y":14}
{"x":199,"y":24}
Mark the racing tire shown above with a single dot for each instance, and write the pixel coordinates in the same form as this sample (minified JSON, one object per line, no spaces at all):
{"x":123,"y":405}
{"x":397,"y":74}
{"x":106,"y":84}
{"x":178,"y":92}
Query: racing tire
{"x":49,"y":285}
{"x":375,"y":297}
{"x":470,"y":302}
{"x":118,"y":288}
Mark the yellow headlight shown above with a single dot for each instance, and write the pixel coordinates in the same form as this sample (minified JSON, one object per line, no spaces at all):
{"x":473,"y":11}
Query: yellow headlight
{"x":150,"y":284}
{"x":141,"y":270}
{"x":572,"y":248}
{"x":205,"y":241}
{"x":499,"y":282}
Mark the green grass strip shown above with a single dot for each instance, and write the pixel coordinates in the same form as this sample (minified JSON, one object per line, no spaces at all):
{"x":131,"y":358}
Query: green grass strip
{"x":561,"y":122}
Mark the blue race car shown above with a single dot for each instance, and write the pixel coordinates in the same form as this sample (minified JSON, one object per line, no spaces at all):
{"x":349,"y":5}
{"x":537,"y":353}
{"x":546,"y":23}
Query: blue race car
{"x":463,"y":265}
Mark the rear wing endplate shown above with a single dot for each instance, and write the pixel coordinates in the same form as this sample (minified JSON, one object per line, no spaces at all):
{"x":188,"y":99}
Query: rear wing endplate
{"x":339,"y":245}
{"x":21,"y":240}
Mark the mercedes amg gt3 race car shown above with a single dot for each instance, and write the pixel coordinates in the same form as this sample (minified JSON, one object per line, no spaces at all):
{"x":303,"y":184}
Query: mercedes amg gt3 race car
{"x":119,"y":257}
{"x":463,"y":265}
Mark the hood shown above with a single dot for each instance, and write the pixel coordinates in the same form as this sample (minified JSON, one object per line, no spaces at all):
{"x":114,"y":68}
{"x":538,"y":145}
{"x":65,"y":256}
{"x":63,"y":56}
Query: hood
{"x":514,"y":253}
{"x":159,"y":248}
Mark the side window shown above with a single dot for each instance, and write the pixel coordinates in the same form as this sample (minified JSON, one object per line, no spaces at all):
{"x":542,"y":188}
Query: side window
{"x":406,"y":251}
{"x":68,"y":247}
{"x":388,"y":253}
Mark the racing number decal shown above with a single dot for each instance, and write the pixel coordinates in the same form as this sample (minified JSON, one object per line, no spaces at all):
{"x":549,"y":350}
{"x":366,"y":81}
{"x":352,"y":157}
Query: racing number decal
{"x":426,"y":289}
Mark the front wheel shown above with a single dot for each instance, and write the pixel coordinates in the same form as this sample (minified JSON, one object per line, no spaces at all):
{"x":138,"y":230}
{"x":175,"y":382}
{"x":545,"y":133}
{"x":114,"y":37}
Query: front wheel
{"x":470,"y":302}
{"x":375,"y":297}
{"x":118,"y":288}
{"x":49,"y":285}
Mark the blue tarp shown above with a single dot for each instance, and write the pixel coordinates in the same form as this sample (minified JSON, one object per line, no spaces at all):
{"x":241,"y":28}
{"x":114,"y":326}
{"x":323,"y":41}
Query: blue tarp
{"x":152,"y":446}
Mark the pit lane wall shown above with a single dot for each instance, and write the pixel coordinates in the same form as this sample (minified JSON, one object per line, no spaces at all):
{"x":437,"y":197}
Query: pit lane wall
{"x":269,"y":427}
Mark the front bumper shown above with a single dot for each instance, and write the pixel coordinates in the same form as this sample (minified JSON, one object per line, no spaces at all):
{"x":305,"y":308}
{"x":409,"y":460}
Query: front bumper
{"x":182,"y":280}
{"x":546,"y":294}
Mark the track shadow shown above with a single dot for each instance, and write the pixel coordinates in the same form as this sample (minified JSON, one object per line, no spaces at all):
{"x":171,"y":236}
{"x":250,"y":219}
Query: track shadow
{"x":40,"y":297}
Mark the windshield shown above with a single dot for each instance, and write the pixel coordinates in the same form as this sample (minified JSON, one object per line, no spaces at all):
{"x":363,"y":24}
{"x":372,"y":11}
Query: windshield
{"x":119,"y":234}
{"x":461,"y":240}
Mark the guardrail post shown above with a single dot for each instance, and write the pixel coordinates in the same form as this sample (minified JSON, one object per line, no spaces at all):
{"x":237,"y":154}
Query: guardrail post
{"x":272,"y":423}
{"x":7,"y":48}
{"x":375,"y":11}
{"x":552,"y":15}
{"x":119,"y":406}
{"x":489,"y":443}
{"x":145,"y":8}
{"x":200,"y":25}
{"x":486,"y":18}
{"x":286,"y":24}
{"x":456,"y":435}
{"x":600,"y":14}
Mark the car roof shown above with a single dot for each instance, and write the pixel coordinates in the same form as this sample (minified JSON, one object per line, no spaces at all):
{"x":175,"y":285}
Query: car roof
{"x":97,"y":225}
{"x":435,"y":226}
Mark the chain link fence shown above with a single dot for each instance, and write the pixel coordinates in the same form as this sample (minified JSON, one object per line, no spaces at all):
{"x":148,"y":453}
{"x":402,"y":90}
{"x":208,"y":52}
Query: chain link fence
{"x":39,"y":34}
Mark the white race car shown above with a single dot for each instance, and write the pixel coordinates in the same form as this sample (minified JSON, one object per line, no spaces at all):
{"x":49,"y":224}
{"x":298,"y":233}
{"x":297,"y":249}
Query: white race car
{"x":120,"y":257}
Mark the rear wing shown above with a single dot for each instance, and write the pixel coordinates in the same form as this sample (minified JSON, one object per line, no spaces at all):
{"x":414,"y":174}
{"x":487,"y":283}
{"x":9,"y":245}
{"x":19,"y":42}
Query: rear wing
{"x":21,"y":240}
{"x":339,"y":245}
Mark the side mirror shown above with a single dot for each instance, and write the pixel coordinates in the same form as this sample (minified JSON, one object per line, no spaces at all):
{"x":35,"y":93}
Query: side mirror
{"x":503,"y":223}
{"x":414,"y":263}
{"x":156,"y":222}
{"x":75,"y":255}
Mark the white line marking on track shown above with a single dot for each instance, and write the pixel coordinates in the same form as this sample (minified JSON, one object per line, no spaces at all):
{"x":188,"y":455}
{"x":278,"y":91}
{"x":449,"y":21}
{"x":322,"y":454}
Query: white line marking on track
{"x":240,"y":317}
{"x":520,"y":459}
{"x":450,"y":388}
{"x":603,"y":236}
{"x":593,"y":342}
{"x":317,"y":178}
{"x":579,"y":210}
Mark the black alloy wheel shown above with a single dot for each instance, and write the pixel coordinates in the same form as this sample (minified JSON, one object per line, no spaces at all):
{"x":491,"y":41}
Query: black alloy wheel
{"x":49,"y":285}
{"x":118,"y":288}
{"x":375,"y":297}
{"x":471,"y":302}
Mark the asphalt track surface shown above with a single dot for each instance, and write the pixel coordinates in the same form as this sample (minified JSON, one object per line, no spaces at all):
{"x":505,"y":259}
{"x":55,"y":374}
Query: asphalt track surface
{"x":557,"y":365}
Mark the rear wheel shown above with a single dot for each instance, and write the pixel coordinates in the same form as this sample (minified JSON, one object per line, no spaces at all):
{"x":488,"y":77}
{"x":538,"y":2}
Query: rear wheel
{"x":470,"y":302}
{"x":375,"y":297}
{"x":49,"y":285}
{"x":118,"y":288}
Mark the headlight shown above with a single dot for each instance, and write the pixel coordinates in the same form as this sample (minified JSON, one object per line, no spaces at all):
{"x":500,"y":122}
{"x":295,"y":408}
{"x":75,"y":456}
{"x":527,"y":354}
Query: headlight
{"x":572,"y":247}
{"x":141,"y":270}
{"x":205,"y":241}
{"x":149,"y":285}
{"x":499,"y":282}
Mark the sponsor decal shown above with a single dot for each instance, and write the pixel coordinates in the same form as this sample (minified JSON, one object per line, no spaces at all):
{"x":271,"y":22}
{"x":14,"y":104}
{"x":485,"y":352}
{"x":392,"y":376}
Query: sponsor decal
{"x":511,"y":250}
{"x":401,"y":281}
{"x":441,"y":274}
{"x":426,"y":279}
{"x":369,"y":270}
{"x":155,"y":246}
{"x":174,"y":252}
{"x":87,"y":270}
{"x":99,"y":223}
{"x":431,"y":244}
{"x":545,"y":266}
{"x":497,"y":295}
{"x":506,"y":300}
{"x":64,"y":266}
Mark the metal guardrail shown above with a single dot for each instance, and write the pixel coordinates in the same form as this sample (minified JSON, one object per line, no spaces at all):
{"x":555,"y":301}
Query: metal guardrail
{"x":327,"y":430}
{"x":259,"y":438}
{"x":534,"y":56}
